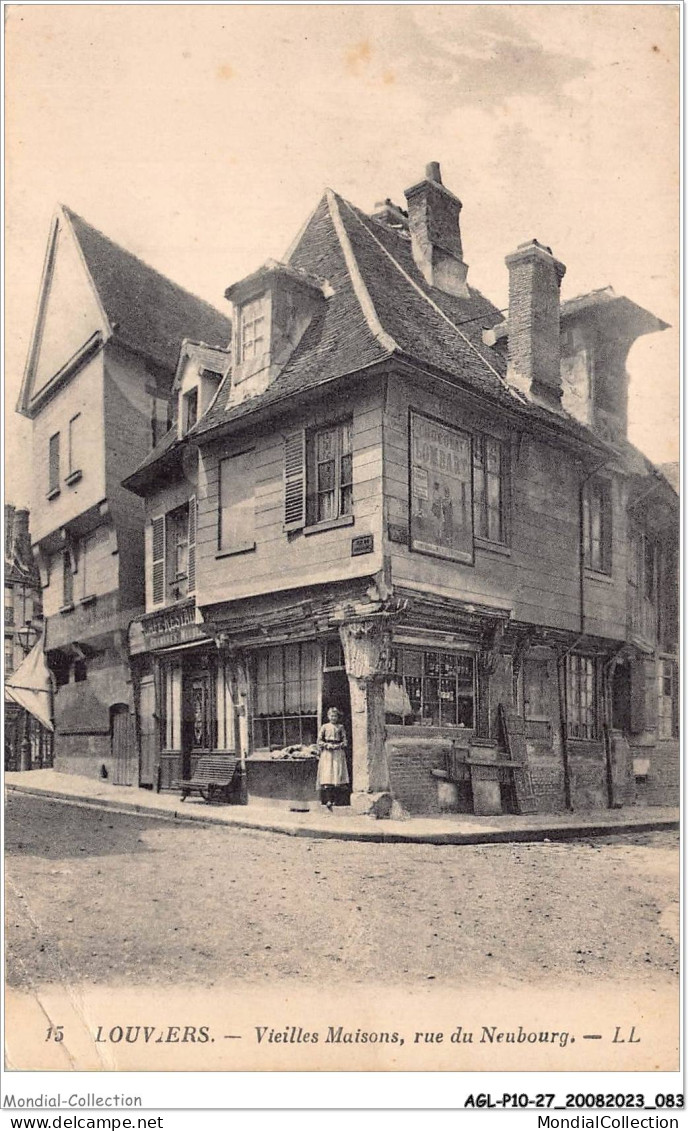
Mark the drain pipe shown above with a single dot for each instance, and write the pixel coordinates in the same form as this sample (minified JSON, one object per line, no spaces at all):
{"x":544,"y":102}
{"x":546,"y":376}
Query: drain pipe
{"x":563,"y":721}
{"x":607,"y":676}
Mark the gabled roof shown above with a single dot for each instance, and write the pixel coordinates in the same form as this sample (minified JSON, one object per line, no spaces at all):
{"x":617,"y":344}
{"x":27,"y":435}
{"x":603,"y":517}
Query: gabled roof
{"x":380,"y":307}
{"x":133,"y":303}
{"x":146,"y":311}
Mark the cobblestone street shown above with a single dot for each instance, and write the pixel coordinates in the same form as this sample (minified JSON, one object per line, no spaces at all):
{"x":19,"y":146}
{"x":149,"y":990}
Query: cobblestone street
{"x":102,"y":897}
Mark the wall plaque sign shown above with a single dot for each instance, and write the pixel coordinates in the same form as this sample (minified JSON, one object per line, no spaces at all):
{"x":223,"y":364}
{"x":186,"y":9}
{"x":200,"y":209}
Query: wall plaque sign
{"x":362,"y":545}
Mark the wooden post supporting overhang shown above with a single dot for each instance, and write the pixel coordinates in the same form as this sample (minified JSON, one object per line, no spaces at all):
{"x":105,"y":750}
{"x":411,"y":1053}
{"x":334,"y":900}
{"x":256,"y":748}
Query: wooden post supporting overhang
{"x":367,"y":644}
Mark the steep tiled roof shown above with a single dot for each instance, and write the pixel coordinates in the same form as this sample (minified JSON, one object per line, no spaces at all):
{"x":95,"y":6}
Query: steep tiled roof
{"x":148,"y":312}
{"x":159,"y":457}
{"x":382,"y":307}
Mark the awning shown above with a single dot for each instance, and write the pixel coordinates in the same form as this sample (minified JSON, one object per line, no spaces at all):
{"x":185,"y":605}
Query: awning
{"x":30,"y":686}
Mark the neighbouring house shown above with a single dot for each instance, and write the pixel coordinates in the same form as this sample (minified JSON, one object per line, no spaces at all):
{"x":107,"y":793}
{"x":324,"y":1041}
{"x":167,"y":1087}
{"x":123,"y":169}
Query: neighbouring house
{"x":388,"y":498}
{"x":97,"y":388}
{"x":23,"y":624}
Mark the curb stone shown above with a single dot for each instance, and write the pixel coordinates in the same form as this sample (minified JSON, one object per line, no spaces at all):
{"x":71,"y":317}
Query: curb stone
{"x":375,"y":835}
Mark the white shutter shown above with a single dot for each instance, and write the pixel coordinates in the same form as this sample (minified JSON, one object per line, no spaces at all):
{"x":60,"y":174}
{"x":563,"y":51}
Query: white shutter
{"x":158,"y":559}
{"x":295,"y":480}
{"x":191,"y":566}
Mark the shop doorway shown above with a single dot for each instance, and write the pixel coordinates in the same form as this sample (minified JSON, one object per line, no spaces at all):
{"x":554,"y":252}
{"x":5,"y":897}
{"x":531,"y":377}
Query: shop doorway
{"x":335,"y":693}
{"x":621,"y":697}
{"x":123,"y":745}
{"x":198,"y":717}
{"x":148,"y":735}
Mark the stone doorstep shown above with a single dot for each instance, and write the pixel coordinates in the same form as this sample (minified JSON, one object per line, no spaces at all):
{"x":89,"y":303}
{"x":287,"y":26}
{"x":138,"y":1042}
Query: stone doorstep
{"x":340,"y":826}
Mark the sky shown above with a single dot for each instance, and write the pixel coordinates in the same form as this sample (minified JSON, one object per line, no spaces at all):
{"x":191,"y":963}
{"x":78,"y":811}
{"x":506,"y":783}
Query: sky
{"x":200,"y":137}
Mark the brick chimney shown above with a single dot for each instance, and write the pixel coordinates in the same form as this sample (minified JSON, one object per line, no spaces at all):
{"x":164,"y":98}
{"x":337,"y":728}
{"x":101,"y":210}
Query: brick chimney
{"x":534,"y":346}
{"x":433,"y":213}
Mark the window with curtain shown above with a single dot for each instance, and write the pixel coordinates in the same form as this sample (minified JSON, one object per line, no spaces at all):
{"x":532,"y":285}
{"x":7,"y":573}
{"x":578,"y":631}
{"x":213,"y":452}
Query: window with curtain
{"x":330,"y":487}
{"x":285,"y":696}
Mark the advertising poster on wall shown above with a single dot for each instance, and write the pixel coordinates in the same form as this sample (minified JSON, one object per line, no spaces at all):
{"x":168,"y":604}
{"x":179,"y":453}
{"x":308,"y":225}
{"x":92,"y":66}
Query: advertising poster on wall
{"x":441,"y":511}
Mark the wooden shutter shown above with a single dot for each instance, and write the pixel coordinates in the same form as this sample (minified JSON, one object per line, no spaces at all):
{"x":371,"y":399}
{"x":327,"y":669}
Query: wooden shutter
{"x":191,"y":566}
{"x":295,"y":480}
{"x":158,"y":559}
{"x":54,"y":462}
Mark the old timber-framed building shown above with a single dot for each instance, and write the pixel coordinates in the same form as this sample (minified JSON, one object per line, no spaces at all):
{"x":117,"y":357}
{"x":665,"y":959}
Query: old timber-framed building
{"x":97,"y":388}
{"x":401,"y":503}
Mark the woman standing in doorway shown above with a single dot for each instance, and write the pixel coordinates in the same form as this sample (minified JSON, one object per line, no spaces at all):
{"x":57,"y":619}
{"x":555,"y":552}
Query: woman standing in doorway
{"x":332,"y":771}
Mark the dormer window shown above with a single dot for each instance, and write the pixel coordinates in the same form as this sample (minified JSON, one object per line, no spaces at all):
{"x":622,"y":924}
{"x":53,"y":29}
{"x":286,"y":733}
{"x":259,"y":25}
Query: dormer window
{"x":253,"y":329}
{"x":189,"y":410}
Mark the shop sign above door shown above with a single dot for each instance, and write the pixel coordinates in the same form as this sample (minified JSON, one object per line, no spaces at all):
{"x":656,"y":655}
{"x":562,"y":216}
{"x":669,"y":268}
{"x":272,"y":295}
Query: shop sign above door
{"x":173,"y":626}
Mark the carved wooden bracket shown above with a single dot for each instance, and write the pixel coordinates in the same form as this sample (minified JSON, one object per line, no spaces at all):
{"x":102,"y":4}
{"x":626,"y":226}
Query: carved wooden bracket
{"x":489,"y":648}
{"x":522,"y":645}
{"x":367,"y":646}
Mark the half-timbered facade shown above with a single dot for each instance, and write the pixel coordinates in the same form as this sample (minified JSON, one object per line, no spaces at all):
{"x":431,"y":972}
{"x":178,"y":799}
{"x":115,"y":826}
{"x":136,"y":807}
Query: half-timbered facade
{"x":430,"y":516}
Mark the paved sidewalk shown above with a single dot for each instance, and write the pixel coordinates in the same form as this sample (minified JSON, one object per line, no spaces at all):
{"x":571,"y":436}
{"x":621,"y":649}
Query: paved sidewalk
{"x":342,"y":824}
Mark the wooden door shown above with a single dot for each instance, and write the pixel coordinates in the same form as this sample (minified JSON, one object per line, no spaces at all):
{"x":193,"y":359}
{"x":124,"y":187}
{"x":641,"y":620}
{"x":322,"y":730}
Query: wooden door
{"x":148,"y":732}
{"x":123,"y":745}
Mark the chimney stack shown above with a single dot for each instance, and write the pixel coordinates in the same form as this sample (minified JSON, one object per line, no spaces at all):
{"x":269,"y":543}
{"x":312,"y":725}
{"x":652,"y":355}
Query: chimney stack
{"x":435,"y":233}
{"x":534,"y":344}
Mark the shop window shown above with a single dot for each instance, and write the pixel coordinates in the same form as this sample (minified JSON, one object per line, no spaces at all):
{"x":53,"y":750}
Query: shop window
{"x":597,"y":525}
{"x":236,"y":518}
{"x":582,"y":697}
{"x":9,"y":655}
{"x":285,"y":696}
{"x":667,"y":699}
{"x":490,"y":488}
{"x":431,"y":689}
{"x":80,"y":671}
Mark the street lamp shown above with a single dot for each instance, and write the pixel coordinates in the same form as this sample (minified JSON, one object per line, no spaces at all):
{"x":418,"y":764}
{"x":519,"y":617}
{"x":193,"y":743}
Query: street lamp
{"x":26,"y":637}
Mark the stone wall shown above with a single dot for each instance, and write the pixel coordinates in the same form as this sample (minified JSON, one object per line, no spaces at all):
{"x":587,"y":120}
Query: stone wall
{"x":661,"y":786}
{"x":411,"y":761}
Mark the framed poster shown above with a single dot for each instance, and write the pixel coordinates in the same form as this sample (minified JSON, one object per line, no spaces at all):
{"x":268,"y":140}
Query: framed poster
{"x":440,"y":489}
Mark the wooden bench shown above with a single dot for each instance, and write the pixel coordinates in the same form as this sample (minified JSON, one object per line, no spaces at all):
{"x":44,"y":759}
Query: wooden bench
{"x":213,"y":778}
